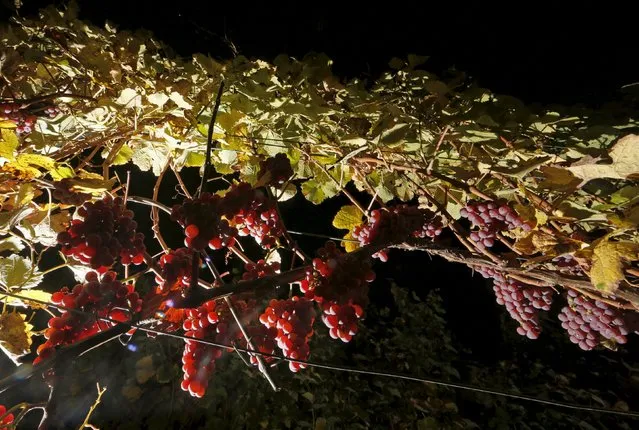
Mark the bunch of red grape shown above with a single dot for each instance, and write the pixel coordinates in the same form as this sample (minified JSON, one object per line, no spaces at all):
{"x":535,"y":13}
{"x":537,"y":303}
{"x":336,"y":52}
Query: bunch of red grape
{"x":198,"y":359}
{"x":176,"y":268}
{"x":590,"y":322}
{"x":278,"y":167}
{"x":263,"y":339}
{"x":523,"y":302}
{"x":260,"y":269}
{"x":337,"y":277}
{"x":98,"y":297}
{"x":253,"y":214}
{"x":293,"y":319}
{"x":6,"y":421}
{"x":212,"y":321}
{"x":104,"y":232}
{"x":341,"y":320}
{"x":339,"y":283}
{"x":23,"y":120}
{"x":567,"y":264}
{"x":203,"y":224}
{"x":397,"y":224}
{"x":491,"y":218}
{"x":64,"y":194}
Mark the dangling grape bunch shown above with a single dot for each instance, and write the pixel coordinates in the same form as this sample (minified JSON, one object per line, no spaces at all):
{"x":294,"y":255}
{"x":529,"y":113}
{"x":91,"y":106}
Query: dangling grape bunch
{"x":103,"y":233}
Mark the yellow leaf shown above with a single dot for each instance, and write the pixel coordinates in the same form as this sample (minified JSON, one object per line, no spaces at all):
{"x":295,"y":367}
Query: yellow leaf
{"x":123,"y":156}
{"x":350,"y":246}
{"x":9,"y":144}
{"x":60,"y":172}
{"x":91,"y":184}
{"x":34,"y":294}
{"x":607,"y":263}
{"x":348,"y":217}
{"x":7,"y":124}
{"x":15,"y":333}
{"x":38,"y":160}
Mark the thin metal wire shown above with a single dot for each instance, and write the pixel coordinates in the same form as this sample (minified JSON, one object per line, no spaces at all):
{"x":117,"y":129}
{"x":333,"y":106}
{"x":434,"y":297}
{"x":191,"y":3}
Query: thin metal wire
{"x":468,"y":387}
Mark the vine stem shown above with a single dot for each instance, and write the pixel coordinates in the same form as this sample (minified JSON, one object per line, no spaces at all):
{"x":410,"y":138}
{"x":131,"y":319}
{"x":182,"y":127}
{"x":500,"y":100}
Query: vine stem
{"x":95,"y":404}
{"x":287,"y":236}
{"x":155,"y":216}
{"x":53,"y":269}
{"x":580,"y":285}
{"x":209,"y":139}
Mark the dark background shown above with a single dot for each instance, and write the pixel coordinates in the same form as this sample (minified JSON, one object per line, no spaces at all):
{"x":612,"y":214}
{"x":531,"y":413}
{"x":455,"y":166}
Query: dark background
{"x":548,"y":52}
{"x":540,"y":53}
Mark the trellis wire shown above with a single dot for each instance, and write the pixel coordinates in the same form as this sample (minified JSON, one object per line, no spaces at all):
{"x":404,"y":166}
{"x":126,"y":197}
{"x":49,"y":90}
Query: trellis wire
{"x":337,"y":368}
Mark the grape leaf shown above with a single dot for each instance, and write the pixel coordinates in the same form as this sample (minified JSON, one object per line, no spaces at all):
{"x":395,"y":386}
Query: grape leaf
{"x":15,"y":334}
{"x":129,"y":98}
{"x":123,"y":156}
{"x":348,"y":244}
{"x":11,"y":243}
{"x":347,"y":217}
{"x":607,"y":263}
{"x":9,"y":144}
{"x":625,"y":162}
{"x":35,"y":294}
{"x":16,"y":272}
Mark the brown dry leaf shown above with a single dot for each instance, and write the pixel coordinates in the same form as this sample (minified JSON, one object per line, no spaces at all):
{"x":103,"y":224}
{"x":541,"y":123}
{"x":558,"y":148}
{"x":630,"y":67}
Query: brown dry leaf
{"x":607,"y":263}
{"x":536,"y":241}
{"x":558,"y":179}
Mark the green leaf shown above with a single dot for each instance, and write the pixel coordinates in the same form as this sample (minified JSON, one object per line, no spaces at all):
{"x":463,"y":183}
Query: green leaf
{"x":16,"y":272}
{"x":312,"y":190}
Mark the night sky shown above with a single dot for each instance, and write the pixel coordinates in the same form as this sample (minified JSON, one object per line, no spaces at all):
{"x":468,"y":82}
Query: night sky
{"x":538,"y":51}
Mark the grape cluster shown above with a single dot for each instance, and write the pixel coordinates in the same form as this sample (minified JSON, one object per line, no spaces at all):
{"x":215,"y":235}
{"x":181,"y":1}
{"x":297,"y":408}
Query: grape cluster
{"x":260,"y":269}
{"x":567,"y":264}
{"x":23,"y":120}
{"x":253,"y":214}
{"x":63,"y":193}
{"x":337,"y":277}
{"x":341,"y":320}
{"x":278,"y":167}
{"x":397,"y":224}
{"x":176,"y":269}
{"x":491,"y":218}
{"x":6,"y":421}
{"x":339,"y":283}
{"x":202,"y":220}
{"x":523,"y":302}
{"x":263,"y":339}
{"x":211,"y":321}
{"x":104,"y":232}
{"x":198,"y":360}
{"x":590,"y":322}
{"x":293,"y":319}
{"x":97,"y":297}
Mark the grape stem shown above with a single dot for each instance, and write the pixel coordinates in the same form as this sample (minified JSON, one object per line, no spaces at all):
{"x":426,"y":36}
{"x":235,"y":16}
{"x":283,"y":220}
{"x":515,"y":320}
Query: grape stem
{"x":209,"y":139}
